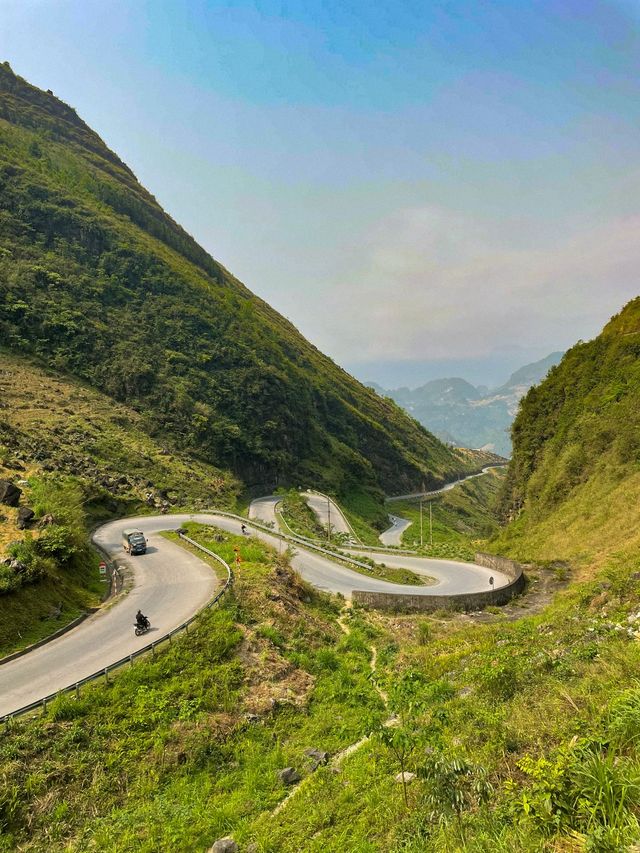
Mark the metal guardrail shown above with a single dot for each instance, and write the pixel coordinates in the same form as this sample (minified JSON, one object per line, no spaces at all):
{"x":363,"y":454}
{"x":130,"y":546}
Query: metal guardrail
{"x":150,"y":647}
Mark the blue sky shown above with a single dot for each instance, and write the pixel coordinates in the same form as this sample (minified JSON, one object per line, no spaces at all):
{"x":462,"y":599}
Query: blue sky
{"x":423,"y":188}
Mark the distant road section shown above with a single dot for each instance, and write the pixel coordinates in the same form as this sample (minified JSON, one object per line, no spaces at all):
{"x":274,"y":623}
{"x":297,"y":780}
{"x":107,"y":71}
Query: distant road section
{"x":393,"y":535}
{"x":444,"y":488}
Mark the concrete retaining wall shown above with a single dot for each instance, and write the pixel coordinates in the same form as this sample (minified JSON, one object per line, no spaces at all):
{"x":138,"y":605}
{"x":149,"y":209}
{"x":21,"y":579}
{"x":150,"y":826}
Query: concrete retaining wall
{"x":399,"y":602}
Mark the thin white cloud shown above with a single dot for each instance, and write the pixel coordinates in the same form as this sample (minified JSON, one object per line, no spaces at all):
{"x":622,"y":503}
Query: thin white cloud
{"x":435,"y":284}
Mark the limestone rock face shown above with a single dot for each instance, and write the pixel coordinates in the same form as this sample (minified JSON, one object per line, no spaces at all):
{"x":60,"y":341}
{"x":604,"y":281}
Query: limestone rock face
{"x":9,"y":493}
{"x":317,"y":756}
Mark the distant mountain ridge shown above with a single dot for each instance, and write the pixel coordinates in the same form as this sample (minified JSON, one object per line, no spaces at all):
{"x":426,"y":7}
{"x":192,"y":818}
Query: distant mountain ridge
{"x":463,"y":414}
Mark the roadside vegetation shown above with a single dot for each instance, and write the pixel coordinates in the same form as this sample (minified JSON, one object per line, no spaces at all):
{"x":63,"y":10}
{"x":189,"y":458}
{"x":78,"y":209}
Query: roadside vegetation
{"x":298,"y":517}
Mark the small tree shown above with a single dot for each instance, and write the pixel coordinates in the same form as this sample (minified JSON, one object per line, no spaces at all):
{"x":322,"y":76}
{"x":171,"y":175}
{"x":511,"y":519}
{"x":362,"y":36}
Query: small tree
{"x":454,"y":784}
{"x":401,"y":742}
{"x":405,"y":734}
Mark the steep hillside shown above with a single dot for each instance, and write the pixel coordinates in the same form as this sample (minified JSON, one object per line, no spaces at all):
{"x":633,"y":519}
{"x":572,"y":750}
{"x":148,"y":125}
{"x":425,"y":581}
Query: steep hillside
{"x":459,"y":413}
{"x":77,"y":458}
{"x":98,"y":280}
{"x":574,"y":482}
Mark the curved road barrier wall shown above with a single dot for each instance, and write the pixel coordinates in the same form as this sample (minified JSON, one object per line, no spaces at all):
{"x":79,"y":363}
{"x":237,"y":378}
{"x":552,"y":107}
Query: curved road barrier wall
{"x":401,"y":603}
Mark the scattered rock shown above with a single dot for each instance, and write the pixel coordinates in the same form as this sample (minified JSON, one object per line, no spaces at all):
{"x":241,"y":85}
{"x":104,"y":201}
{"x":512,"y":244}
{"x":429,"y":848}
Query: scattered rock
{"x":25,"y":515}
{"x":252,"y":718}
{"x":46,"y":520}
{"x":317,"y":756}
{"x":252,"y":848}
{"x":9,"y":493}
{"x":18,"y":567}
{"x":405,"y":777}
{"x":289,"y":776}
{"x":224,"y":845}
{"x":464,"y":691}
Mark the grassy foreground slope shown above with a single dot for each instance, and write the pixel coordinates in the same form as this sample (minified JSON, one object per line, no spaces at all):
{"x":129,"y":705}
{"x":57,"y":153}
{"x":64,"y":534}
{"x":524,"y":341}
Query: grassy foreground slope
{"x":183,"y":749}
{"x":98,"y":280}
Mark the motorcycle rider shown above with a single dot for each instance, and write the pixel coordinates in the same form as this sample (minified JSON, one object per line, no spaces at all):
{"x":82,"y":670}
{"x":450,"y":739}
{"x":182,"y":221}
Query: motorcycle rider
{"x":243,"y":528}
{"x":141,"y":620}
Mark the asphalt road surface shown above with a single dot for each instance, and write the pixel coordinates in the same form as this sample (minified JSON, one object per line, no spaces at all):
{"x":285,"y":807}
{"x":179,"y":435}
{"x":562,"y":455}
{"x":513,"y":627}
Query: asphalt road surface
{"x":327,"y":510}
{"x":393,"y":535}
{"x":170,"y":585}
{"x":264,"y":510}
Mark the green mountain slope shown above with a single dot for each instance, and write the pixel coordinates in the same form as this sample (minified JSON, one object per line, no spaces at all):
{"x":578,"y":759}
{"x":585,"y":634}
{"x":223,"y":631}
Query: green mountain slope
{"x":99,"y":281}
{"x":79,"y":458}
{"x":573,"y":487}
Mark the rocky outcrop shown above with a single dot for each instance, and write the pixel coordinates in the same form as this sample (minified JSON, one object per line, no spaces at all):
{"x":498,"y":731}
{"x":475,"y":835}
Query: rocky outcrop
{"x":9,"y":493}
{"x":25,"y":517}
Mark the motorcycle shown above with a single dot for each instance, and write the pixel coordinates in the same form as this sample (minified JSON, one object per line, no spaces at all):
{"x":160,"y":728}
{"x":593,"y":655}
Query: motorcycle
{"x":142,"y":629}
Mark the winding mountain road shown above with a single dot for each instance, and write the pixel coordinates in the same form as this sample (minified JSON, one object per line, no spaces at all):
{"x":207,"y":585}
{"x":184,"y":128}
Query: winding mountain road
{"x":170,"y":584}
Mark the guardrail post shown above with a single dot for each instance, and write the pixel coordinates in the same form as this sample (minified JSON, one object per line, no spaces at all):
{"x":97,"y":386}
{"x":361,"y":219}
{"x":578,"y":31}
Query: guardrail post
{"x":186,"y":628}
{"x":77,"y":690}
{"x":153,"y":647}
{"x":131,"y":659}
{"x":106,"y":675}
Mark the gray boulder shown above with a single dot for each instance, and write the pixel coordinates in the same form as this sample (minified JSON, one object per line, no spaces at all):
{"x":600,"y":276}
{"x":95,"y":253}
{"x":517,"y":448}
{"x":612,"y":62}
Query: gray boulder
{"x":317,"y":756}
{"x":224,"y":845}
{"x":25,"y":515}
{"x":289,"y":776}
{"x":9,"y":493}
